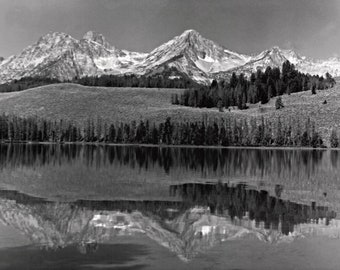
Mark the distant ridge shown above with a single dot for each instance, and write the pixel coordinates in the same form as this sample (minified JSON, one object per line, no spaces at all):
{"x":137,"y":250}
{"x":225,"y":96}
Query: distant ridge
{"x":60,"y":56}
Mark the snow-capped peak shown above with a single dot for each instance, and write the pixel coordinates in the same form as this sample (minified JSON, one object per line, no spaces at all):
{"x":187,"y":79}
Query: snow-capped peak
{"x":273,"y":51}
{"x":54,"y":38}
{"x":91,"y":35}
{"x":277,"y":52}
{"x":194,"y":55}
{"x":98,"y":38}
{"x":190,"y":33}
{"x":334,"y":59}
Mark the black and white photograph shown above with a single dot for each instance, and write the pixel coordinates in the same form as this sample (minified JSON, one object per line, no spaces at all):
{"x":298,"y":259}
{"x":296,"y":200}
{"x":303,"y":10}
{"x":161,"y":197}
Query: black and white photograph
{"x":170,"y":134}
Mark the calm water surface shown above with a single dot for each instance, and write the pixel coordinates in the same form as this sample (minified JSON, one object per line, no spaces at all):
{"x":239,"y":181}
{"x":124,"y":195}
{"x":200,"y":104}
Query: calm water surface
{"x":124,"y":207}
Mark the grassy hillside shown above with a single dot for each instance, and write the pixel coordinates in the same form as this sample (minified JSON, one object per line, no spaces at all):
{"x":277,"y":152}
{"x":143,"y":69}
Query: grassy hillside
{"x":303,"y":105}
{"x":78,"y":103}
{"x":72,"y":101}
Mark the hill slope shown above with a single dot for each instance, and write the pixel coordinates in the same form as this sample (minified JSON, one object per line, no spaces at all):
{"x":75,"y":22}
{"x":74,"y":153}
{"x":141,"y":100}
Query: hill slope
{"x":78,"y":103}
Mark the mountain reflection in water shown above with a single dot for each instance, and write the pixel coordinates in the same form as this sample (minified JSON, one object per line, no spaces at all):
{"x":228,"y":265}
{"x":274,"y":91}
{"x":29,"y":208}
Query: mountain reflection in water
{"x":199,"y":217}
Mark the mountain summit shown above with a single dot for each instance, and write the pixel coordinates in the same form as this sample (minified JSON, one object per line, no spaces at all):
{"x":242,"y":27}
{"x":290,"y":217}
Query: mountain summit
{"x":58,"y":55}
{"x":194,"y":55}
{"x":98,"y":38}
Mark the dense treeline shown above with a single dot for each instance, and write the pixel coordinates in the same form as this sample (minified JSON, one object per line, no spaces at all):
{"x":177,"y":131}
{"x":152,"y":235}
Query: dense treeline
{"x":26,"y":83}
{"x":260,"y":87}
{"x":168,"y":79}
{"x":164,"y":80}
{"x":224,"y":132}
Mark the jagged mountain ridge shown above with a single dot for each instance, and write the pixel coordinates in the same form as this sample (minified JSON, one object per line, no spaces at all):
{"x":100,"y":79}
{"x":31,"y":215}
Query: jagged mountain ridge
{"x":275,"y":57}
{"x":58,"y":55}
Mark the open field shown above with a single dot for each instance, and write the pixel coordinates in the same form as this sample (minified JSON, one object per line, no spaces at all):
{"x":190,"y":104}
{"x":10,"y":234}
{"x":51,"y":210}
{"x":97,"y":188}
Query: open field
{"x":78,"y":103}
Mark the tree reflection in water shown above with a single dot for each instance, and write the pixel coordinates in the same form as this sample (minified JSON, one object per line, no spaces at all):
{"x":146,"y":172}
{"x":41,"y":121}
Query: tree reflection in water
{"x":239,"y":201}
{"x":207,"y":161}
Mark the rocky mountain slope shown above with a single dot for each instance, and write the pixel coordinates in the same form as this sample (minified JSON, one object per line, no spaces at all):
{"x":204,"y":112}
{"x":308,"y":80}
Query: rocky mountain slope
{"x":275,"y":57}
{"x":58,"y":55}
{"x":194,"y":55}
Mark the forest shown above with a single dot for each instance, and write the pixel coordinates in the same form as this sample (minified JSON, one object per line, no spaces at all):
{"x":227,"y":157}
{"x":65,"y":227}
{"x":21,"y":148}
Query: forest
{"x":168,"y":79}
{"x":26,"y":83}
{"x":260,"y":87}
{"x":217,"y":132}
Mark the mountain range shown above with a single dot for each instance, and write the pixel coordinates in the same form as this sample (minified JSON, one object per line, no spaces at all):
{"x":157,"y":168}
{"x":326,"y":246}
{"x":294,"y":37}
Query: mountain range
{"x":58,"y":55}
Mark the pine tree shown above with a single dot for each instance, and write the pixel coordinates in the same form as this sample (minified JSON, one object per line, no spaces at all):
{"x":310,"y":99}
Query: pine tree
{"x":167,"y":131}
{"x":278,"y":103}
{"x":120,"y":137}
{"x":314,"y":89}
{"x":316,"y":140}
{"x":223,"y":136}
{"x":235,"y":134}
{"x":98,"y":135}
{"x":279,"y":140}
{"x":132,"y":131}
{"x":210,"y":135}
{"x":105,"y":132}
{"x":147,"y":132}
{"x":112,"y":134}
{"x":253,"y":131}
{"x":155,"y":134}
{"x":334,"y":140}
{"x":246,"y":140}
{"x":220,"y":105}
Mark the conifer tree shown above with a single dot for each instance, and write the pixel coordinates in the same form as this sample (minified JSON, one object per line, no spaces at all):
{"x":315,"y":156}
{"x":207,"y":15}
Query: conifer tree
{"x":112,"y":134}
{"x":314,"y":89}
{"x":334,"y":140}
{"x":279,"y":140}
{"x":278,"y":103}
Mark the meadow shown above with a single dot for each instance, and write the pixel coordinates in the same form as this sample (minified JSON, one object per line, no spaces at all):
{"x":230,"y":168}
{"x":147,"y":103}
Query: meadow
{"x":78,"y":103}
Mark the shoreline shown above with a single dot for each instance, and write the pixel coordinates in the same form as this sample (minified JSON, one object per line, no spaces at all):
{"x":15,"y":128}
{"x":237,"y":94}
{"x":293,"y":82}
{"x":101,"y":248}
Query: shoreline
{"x":174,"y":146}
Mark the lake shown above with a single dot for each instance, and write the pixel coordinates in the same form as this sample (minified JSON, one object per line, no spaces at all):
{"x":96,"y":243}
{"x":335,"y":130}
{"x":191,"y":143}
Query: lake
{"x":133,"y":207}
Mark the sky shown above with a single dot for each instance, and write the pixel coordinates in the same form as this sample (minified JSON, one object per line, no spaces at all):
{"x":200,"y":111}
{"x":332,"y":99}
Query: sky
{"x":311,"y":27}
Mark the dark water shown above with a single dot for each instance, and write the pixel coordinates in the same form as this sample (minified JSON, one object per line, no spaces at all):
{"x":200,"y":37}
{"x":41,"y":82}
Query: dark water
{"x":114,"y":207}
